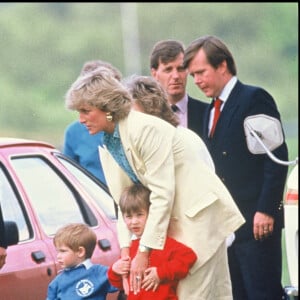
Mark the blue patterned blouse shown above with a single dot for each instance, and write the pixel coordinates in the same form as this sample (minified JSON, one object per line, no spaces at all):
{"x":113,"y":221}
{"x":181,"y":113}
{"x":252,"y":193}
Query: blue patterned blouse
{"x":114,"y":146}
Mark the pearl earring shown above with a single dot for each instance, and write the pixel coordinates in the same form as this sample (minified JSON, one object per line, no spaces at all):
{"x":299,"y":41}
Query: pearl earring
{"x":109,"y":117}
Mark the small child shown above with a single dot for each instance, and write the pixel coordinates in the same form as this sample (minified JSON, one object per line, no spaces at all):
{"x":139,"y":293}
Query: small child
{"x":165,"y":267}
{"x":80,"y":278}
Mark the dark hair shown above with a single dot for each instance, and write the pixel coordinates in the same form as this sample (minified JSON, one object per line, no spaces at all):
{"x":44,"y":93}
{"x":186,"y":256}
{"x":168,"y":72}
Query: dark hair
{"x":134,"y":198}
{"x":165,"y":51}
{"x":215,"y":50}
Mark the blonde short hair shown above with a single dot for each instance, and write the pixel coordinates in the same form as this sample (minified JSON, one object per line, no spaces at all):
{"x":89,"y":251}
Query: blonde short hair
{"x":99,"y":88}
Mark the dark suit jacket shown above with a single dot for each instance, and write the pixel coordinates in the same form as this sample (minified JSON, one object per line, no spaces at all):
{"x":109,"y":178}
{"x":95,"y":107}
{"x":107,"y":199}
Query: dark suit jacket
{"x":196,"y":110}
{"x":255,"y":181}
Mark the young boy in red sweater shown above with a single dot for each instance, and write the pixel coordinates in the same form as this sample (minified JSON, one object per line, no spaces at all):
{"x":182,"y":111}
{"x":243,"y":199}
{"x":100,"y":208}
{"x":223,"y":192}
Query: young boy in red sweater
{"x":165,"y":267}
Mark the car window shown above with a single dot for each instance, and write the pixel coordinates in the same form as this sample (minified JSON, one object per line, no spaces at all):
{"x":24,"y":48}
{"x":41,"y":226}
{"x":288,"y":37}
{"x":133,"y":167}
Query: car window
{"x":12,"y":211}
{"x":51,"y":198}
{"x":101,"y":197}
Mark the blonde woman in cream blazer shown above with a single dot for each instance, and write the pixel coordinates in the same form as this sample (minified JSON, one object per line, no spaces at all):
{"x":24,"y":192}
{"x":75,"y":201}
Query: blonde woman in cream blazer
{"x":188,"y":201}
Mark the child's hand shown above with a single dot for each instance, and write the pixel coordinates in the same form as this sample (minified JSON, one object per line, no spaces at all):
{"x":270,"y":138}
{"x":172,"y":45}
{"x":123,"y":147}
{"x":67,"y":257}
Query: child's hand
{"x":151,"y":279}
{"x":122,"y":266}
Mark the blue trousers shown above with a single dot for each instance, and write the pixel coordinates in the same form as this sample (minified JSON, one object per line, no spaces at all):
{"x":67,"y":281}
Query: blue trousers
{"x":255,"y":269}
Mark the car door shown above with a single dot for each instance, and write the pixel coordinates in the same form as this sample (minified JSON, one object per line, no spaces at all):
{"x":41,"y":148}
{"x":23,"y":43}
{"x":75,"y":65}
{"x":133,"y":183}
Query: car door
{"x":40,"y":199}
{"x":30,"y":265}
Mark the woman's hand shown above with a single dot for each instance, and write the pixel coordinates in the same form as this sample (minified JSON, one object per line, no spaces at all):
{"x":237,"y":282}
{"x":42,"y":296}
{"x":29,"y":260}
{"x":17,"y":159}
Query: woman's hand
{"x":138,"y":267}
{"x":151,"y":279}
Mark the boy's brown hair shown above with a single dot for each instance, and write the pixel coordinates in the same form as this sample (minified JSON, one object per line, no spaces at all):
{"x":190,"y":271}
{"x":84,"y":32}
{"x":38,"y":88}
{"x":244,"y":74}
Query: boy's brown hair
{"x":134,"y":198}
{"x":76,"y":235}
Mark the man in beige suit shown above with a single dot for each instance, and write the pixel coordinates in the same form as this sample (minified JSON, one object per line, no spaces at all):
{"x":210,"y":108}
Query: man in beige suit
{"x":187,"y":199}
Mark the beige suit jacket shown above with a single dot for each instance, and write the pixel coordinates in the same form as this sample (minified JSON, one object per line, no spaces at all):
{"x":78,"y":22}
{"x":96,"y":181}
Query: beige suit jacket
{"x":188,"y":201}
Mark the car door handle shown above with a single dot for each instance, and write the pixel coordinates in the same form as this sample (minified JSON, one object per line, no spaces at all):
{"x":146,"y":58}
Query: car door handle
{"x":104,"y":244}
{"x":38,"y":256}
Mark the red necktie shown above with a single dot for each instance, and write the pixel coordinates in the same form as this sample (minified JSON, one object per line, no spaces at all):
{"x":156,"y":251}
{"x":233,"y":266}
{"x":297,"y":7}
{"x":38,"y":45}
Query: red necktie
{"x":217,"y":106}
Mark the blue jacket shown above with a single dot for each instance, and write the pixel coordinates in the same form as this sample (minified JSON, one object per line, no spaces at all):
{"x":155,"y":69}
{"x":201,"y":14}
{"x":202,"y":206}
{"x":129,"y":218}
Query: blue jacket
{"x":82,"y":147}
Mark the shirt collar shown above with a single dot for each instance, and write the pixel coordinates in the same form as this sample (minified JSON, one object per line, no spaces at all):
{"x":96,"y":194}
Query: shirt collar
{"x":86,"y":263}
{"x":134,"y":237}
{"x":110,"y":136}
{"x":116,"y":133}
{"x":227,"y":89}
{"x":182,"y":104}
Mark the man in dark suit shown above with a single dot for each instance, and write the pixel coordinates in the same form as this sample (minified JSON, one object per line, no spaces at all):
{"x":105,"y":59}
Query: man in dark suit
{"x":255,"y":181}
{"x":166,"y":64}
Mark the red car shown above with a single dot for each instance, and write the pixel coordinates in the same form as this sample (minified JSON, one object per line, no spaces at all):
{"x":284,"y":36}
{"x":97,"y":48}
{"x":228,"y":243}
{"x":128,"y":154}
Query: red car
{"x":41,"y":190}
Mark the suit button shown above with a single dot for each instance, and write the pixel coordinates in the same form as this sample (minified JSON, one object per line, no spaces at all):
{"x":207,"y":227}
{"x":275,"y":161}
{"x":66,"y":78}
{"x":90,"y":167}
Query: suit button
{"x":224,"y":153}
{"x":223,"y":179}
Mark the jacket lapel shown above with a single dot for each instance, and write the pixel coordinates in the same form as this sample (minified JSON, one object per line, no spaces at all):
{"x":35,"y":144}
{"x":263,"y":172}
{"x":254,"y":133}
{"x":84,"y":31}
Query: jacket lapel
{"x":115,"y":177}
{"x":227,"y":115}
{"x":129,"y":152}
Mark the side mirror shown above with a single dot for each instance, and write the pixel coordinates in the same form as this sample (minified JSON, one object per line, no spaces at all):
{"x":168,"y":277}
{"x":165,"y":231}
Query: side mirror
{"x":263,"y":135}
{"x":11,"y":233}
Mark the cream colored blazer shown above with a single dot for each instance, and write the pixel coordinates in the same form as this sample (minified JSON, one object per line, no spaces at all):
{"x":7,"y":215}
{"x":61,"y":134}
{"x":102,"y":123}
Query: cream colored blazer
{"x":188,"y":201}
